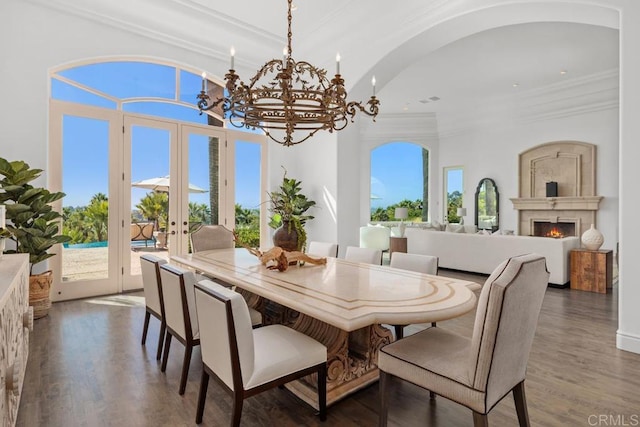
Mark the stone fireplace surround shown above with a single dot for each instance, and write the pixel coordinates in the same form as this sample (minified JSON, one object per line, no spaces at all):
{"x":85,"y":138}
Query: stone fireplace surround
{"x":572,"y":165}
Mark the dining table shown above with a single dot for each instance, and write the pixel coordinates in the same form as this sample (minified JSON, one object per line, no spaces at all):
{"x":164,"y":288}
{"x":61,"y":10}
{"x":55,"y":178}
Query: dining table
{"x":343,"y":304}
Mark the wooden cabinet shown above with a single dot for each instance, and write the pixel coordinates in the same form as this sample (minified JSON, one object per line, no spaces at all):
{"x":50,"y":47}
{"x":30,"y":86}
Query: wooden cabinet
{"x":591,"y":270}
{"x":16,"y":320}
{"x":397,"y":244}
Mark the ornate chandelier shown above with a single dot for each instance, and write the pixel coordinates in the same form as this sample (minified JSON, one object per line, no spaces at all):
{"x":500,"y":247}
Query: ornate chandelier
{"x":288,"y":96}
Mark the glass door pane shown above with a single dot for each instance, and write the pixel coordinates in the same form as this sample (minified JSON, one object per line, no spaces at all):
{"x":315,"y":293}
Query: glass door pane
{"x":248,"y":192}
{"x":148,"y":216}
{"x":246,"y":198}
{"x":85,"y":181}
{"x":86,"y":261}
{"x":203,"y":183}
{"x":453,"y":185}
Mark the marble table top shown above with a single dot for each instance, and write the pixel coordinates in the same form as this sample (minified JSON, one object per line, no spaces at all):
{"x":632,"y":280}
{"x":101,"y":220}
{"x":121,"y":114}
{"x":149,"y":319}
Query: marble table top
{"x":345,"y":294}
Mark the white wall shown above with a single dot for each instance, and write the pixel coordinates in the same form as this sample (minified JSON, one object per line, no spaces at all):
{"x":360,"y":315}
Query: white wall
{"x":493,"y":153}
{"x":314,"y":163}
{"x":628,"y":335}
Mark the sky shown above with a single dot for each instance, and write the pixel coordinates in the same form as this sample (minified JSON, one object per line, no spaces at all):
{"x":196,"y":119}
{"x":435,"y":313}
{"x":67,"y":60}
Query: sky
{"x":396,"y":168}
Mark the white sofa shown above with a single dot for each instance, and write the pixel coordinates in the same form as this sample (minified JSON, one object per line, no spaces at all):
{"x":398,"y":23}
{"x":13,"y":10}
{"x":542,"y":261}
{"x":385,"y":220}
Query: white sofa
{"x":483,"y":253}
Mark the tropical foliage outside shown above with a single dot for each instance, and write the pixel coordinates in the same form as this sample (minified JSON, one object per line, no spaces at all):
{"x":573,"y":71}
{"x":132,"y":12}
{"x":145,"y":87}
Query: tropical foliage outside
{"x":454,"y":201}
{"x":88,"y":224}
{"x":415,"y":209}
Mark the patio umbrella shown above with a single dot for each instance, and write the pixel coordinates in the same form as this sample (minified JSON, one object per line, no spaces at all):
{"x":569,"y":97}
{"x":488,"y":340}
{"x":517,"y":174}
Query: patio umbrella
{"x":161,"y":184}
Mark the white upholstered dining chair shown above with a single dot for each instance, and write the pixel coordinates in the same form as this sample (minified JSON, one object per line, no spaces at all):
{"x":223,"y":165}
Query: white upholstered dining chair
{"x":323,"y":249}
{"x":364,"y":255}
{"x":249,"y":361}
{"x":211,"y":237}
{"x":480,"y":371}
{"x":426,"y":264}
{"x":217,"y":237}
{"x":180,"y":311}
{"x":154,"y":305}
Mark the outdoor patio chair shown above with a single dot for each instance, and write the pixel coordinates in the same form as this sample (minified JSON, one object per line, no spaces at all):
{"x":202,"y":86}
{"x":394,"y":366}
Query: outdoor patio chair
{"x":142,"y":232}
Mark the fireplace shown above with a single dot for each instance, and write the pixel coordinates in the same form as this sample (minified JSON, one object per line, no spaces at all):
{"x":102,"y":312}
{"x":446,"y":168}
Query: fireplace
{"x":554,"y":229}
{"x":572,"y":166}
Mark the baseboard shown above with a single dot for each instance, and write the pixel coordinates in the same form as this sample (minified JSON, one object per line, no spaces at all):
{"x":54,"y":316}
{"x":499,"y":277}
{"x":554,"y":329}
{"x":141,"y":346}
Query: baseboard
{"x":555,"y":285}
{"x":628,"y":342}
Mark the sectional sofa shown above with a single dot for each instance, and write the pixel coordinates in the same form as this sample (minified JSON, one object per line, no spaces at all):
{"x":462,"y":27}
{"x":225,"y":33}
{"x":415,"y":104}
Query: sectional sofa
{"x":482,"y":253}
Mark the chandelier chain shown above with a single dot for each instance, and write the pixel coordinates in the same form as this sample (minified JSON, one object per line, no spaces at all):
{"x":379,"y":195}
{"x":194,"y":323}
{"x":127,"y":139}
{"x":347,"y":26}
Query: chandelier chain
{"x":289,"y":33}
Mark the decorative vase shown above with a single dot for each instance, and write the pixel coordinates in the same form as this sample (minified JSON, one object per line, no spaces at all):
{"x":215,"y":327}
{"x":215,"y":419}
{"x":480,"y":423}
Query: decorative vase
{"x":286,"y":237}
{"x":592,"y":239}
{"x":39,"y":293}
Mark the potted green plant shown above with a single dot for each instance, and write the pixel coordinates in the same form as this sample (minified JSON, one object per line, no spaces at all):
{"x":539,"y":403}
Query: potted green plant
{"x":32,"y":223}
{"x":288,"y":207}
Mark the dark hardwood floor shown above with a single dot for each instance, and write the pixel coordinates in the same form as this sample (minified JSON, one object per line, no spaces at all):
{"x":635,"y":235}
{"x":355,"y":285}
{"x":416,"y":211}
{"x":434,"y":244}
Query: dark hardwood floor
{"x":87,"y":368}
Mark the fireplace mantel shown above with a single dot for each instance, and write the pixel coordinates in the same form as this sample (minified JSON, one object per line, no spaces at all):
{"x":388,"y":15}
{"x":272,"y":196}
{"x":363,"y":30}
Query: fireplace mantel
{"x":572,"y":166}
{"x":583,"y":203}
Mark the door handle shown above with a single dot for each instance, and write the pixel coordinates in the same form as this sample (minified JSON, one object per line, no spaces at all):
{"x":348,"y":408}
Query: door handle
{"x":173,"y":232}
{"x":184,"y":232}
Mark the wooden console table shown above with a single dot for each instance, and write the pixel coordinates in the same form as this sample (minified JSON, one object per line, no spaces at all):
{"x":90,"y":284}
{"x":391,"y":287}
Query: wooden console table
{"x":591,"y":270}
{"x":397,"y":244}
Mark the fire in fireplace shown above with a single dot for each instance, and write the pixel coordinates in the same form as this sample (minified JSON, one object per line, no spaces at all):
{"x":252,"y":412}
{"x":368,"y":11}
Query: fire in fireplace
{"x":554,"y":229}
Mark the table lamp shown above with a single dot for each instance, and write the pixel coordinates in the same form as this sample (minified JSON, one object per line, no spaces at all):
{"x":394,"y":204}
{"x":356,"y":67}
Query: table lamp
{"x":401,"y":214}
{"x":462,"y":212}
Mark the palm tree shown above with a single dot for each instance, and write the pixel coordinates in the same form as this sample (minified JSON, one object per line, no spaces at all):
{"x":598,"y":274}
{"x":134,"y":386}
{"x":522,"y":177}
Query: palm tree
{"x":425,"y":185}
{"x":214,"y":166}
{"x":155,"y":207}
{"x":97,"y":215}
{"x":199,"y":213}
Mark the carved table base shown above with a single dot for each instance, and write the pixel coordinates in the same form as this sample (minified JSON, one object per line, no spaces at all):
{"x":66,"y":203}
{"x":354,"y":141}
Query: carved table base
{"x":351,"y":356}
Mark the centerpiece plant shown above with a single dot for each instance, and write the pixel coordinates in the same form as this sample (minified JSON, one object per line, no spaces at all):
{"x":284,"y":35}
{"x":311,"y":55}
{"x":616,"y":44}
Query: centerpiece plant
{"x":288,"y":207}
{"x":32,"y":224}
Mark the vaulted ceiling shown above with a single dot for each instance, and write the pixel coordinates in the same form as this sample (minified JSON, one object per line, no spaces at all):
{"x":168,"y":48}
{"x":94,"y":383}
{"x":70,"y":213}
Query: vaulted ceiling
{"x":471,"y":71}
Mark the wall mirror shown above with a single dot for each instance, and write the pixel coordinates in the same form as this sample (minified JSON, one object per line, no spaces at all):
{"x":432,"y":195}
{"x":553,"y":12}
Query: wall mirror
{"x":487,"y":205}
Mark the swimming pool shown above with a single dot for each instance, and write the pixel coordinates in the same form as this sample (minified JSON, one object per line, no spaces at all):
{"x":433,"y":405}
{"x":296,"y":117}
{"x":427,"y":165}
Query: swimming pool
{"x":103,"y":244}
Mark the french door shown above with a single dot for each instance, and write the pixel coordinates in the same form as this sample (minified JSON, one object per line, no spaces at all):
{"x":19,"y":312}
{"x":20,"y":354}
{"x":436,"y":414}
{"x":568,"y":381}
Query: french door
{"x":138,"y":184}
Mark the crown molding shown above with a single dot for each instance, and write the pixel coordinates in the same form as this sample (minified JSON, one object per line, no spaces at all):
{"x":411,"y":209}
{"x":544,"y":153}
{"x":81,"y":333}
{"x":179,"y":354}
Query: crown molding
{"x":582,"y":95}
{"x":414,"y":127}
{"x":165,"y":34}
{"x":228,"y":21}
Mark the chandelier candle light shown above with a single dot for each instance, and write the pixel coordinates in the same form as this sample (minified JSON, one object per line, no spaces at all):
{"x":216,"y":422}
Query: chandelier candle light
{"x":287,"y":96}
